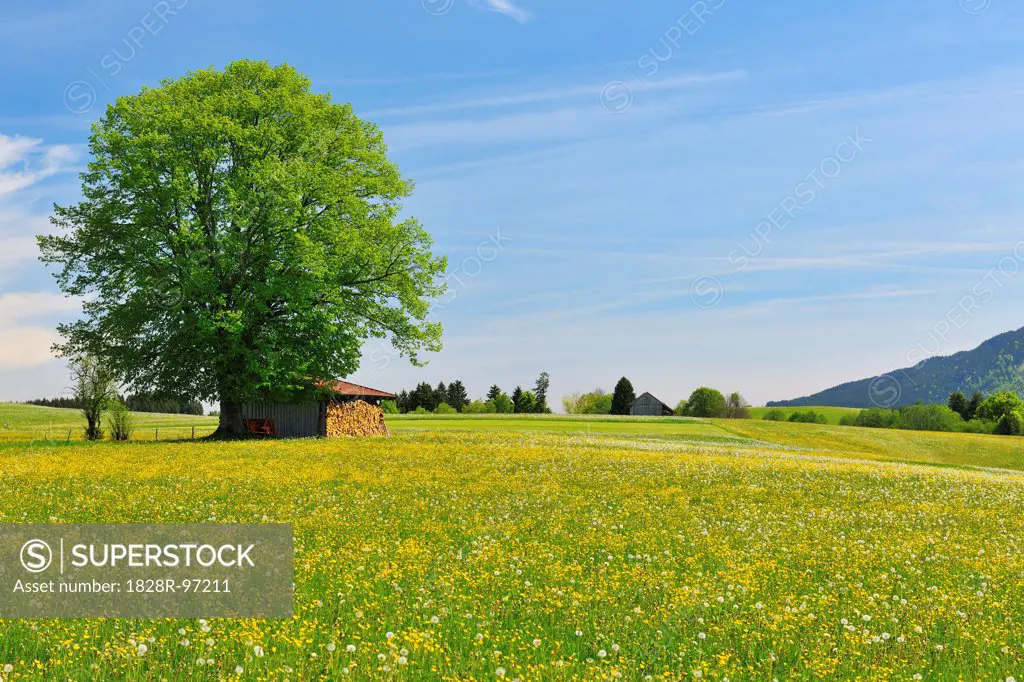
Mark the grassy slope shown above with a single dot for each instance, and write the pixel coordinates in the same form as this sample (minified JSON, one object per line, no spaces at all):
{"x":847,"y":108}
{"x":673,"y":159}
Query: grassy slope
{"x":958,"y":449}
{"x":26,"y":422}
{"x":833,"y":414}
{"x":633,"y":426}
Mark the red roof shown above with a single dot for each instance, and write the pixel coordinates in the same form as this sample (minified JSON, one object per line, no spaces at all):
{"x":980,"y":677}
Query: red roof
{"x":347,"y":388}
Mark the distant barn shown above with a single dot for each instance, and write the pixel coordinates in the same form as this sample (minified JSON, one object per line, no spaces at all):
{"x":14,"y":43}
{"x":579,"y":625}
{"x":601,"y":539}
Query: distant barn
{"x":646,"y":405}
{"x":309,"y":419}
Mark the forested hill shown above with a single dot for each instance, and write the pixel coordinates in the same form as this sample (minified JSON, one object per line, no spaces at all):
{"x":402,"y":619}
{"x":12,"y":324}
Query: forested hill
{"x":995,"y":365}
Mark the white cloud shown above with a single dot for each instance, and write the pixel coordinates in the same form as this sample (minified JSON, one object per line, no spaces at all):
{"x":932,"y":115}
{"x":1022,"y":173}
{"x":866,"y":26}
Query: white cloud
{"x":27,"y":319}
{"x":509,"y":9}
{"x":34,"y":304}
{"x":25,"y":161}
{"x":584,"y":119}
{"x":15,"y":251}
{"x":24,"y":340}
{"x":26,"y":346}
{"x":555,"y":94}
{"x":14,"y":149}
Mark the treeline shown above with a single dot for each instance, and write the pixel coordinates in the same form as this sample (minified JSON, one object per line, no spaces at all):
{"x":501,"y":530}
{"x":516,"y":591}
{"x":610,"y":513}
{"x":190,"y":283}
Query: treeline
{"x":136,"y":402}
{"x":703,"y":402}
{"x":453,"y":398}
{"x":1001,"y":413}
{"x":800,"y":416}
{"x":68,"y":403}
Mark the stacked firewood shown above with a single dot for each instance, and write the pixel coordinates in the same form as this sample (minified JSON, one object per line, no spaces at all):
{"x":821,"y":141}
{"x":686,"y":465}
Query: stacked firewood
{"x":356,"y":418}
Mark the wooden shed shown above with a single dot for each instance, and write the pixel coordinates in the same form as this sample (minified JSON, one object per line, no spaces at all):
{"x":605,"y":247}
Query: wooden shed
{"x":649,"y":406}
{"x":308,"y":419}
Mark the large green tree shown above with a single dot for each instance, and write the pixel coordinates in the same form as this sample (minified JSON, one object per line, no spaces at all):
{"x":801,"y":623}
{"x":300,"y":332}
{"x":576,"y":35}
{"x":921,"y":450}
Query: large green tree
{"x":958,"y":403}
{"x":541,"y":391}
{"x":458,"y":397}
{"x":517,"y":399}
{"x":240,"y":234}
{"x":623,"y":397}
{"x":706,"y":402}
{"x":999,"y":405}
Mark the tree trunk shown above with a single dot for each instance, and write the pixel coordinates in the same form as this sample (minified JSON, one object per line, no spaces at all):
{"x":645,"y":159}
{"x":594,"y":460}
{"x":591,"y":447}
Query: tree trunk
{"x":230,"y":425}
{"x":92,"y":429}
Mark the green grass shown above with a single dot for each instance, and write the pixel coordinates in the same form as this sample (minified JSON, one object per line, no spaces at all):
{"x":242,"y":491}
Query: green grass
{"x":468,"y":555}
{"x":653,"y":427}
{"x":20,"y":422}
{"x":832,"y":414}
{"x":557,"y":547}
{"x":947,"y":449}
{"x":25,"y":423}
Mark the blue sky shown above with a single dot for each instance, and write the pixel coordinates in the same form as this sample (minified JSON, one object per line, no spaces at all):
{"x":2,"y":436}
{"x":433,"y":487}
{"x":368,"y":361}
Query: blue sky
{"x":763,"y":197}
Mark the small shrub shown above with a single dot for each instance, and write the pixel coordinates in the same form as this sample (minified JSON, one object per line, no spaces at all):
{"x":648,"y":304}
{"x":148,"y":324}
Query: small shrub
{"x":848,"y":420}
{"x":930,"y":418}
{"x":1011,"y":424}
{"x":979,"y":426}
{"x":121,"y":419}
{"x":475,"y":407}
{"x":502,"y":404}
{"x":775,"y":415}
{"x":389,"y":407}
{"x":737,"y":407}
{"x":445,"y":408}
{"x":808,"y":417}
{"x":878,"y":418}
{"x":421,"y":410}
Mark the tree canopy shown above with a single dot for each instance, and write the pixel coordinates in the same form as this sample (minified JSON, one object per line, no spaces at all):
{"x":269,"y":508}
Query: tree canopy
{"x":239,"y":234}
{"x":622,"y":397}
{"x":541,"y":391}
{"x":706,"y":402}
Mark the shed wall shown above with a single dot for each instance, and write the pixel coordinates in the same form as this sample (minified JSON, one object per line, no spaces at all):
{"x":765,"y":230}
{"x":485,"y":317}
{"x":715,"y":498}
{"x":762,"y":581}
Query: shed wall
{"x":299,"y":420}
{"x":647,"y":406}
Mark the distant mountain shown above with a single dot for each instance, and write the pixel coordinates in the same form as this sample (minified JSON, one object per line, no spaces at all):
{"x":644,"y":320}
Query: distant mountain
{"x":995,"y":365}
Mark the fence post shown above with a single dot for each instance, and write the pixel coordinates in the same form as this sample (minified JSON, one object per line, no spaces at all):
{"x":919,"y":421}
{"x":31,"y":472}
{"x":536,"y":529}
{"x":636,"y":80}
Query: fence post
{"x":193,"y":432}
{"x":156,"y":434}
{"x":69,"y":437}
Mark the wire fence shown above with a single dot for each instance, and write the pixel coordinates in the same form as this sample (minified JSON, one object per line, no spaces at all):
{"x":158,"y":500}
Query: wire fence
{"x":70,"y":434}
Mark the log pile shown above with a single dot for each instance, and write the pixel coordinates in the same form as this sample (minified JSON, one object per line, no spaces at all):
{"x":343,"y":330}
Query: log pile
{"x":356,"y":418}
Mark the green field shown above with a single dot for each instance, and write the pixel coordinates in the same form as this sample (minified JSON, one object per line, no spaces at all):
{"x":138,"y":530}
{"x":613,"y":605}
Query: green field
{"x":832,"y":414}
{"x":462,"y":549}
{"x":20,"y":422}
{"x":24,"y":423}
{"x":949,"y":449}
{"x":669,"y":427}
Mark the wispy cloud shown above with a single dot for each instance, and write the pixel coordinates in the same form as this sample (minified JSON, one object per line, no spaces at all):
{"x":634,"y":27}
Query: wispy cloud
{"x":555,"y":94}
{"x":370,"y":82}
{"x":574,"y":113}
{"x":25,"y":161}
{"x":508,"y":8}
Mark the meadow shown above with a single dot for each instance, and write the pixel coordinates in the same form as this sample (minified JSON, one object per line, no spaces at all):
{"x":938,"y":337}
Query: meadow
{"x":475,"y":554}
{"x":19,"y":423}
